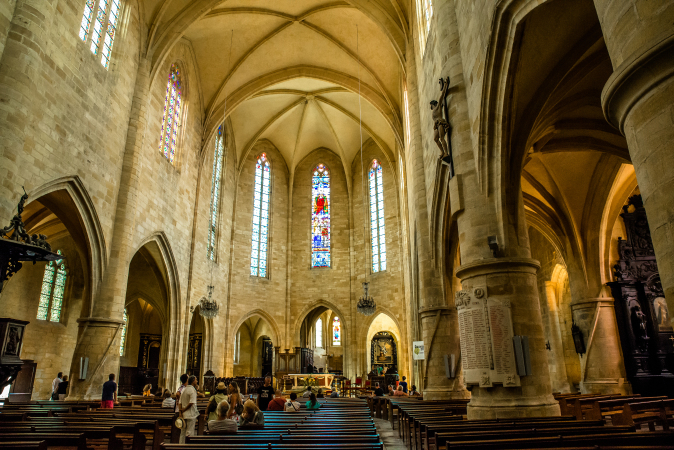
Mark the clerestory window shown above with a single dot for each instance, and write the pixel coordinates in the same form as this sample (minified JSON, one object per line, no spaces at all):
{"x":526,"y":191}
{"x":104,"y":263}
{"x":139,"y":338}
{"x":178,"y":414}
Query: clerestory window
{"x":53,"y":289}
{"x":99,"y":27}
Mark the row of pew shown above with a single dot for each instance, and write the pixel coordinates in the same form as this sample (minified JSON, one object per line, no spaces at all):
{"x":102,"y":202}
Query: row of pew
{"x":144,"y":425}
{"x":604,"y":423}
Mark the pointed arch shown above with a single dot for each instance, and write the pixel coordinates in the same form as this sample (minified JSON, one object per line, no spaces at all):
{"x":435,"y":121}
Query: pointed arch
{"x":264,"y":315}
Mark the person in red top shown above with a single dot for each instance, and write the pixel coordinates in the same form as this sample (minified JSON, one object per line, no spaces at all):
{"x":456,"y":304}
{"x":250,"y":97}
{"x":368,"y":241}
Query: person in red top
{"x":278,"y":402}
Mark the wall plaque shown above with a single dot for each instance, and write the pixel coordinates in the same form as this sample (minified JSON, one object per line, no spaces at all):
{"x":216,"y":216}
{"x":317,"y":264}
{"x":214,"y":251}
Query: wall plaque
{"x":486,"y":332}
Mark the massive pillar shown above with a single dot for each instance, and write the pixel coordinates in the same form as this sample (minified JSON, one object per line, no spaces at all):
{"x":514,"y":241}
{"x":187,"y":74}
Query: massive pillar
{"x":638,"y":99}
{"x":559,"y":379}
{"x":602,"y":368}
{"x":21,"y":96}
{"x":100,"y":327}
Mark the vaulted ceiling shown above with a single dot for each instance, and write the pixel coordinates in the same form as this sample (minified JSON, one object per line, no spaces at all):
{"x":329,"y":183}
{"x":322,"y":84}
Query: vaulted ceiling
{"x":300,"y":73}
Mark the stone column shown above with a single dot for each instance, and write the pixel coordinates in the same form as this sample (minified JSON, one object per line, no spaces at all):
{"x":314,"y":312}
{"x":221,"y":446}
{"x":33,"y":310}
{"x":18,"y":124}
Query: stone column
{"x":513,"y":279}
{"x":602,"y":368}
{"x":100,"y":327}
{"x":559,"y":379}
{"x":638,"y":99}
{"x":21,"y":92}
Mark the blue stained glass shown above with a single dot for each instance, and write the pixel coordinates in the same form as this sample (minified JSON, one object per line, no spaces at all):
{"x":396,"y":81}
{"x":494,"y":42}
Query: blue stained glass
{"x":336,"y":332}
{"x":377,"y":228}
{"x":320,"y":217}
{"x":258,"y":255}
{"x":171,"y":119}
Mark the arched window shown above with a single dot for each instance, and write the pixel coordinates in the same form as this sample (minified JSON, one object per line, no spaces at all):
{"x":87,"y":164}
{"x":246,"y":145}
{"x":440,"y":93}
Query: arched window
{"x":258,"y":253}
{"x":320,"y":217}
{"x":319,"y":333}
{"x":122,"y":341}
{"x":102,"y":36}
{"x":237,"y":347}
{"x":170,"y":124}
{"x":425,"y":14}
{"x":377,"y":228}
{"x":53,"y":287}
{"x":215,"y":194}
{"x":336,"y":332}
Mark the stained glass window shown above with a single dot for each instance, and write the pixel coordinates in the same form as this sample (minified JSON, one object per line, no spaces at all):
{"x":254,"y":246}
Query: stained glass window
{"x":110,"y":34}
{"x":102,"y":36}
{"x":171,"y":120}
{"x":215,"y":194}
{"x":53,"y":288}
{"x":320,"y":217}
{"x":86,"y":20}
{"x":319,"y":333}
{"x":377,"y":228}
{"x":336,"y":331}
{"x":123,"y":339}
{"x":260,"y":237}
{"x":99,"y":25}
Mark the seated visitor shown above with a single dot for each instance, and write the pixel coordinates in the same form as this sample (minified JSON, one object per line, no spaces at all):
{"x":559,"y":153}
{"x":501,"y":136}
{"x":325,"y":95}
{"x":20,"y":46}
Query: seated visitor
{"x":251,"y":417}
{"x":404,"y":384}
{"x":147,"y":390}
{"x":278,"y":403}
{"x":307,"y":393}
{"x":221,"y":424}
{"x":334,"y":394}
{"x":220,"y":395}
{"x":414,"y":390}
{"x":168,"y":402}
{"x":399,"y":392}
{"x":378,"y":391}
{"x":313,"y":403}
{"x":320,"y":394}
{"x":390,"y":389}
{"x":293,"y":405}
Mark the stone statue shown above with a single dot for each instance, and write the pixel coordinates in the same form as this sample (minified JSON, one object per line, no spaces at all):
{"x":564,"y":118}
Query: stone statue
{"x":441,"y":127}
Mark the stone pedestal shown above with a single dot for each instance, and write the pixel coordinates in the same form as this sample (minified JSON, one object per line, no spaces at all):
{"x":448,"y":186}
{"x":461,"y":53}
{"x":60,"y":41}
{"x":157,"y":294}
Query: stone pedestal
{"x":513,"y":280}
{"x":638,"y":99}
{"x":602,"y":366}
{"x":440,"y":330}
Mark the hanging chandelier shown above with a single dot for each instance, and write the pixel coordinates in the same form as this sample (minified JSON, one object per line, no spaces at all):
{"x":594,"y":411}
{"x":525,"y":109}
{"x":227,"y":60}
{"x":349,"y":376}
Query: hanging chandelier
{"x":208,"y":308}
{"x":366,"y":305}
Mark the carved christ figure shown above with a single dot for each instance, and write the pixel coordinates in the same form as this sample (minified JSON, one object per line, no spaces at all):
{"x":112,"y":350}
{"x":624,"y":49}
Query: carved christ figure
{"x":440,"y":124}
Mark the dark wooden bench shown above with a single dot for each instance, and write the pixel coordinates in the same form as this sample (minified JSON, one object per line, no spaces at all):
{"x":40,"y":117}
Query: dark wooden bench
{"x":651,"y":412}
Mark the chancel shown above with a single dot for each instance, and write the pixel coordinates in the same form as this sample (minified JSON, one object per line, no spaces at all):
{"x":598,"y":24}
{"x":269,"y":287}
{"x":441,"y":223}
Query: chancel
{"x":244,"y":209}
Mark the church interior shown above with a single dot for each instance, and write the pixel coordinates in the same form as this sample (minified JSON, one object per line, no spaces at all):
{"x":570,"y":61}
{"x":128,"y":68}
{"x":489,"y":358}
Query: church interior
{"x":470,"y":194}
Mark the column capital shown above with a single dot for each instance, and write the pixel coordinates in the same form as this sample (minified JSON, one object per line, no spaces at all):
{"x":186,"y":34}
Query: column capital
{"x":644,"y":70}
{"x":494,"y":265}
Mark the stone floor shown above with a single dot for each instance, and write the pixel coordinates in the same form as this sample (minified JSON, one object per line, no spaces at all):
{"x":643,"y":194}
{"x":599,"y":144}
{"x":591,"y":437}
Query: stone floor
{"x":388,"y":435}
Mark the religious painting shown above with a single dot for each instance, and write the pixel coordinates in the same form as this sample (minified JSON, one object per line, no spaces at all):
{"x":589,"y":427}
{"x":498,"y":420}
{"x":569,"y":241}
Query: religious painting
{"x":383,"y":349}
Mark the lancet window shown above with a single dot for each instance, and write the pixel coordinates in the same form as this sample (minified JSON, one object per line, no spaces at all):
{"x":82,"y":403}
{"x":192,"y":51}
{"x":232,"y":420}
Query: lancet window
{"x":377,"y":227}
{"x":122,"y":341}
{"x":336,"y":331}
{"x":425,"y":14}
{"x":260,"y":237}
{"x":319,"y":333}
{"x":170,"y":124}
{"x":320,"y":217}
{"x":53,"y":288}
{"x":215,"y":194}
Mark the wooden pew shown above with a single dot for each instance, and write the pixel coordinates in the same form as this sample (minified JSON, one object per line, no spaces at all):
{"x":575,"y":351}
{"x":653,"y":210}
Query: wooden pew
{"x":651,"y":412}
{"x":601,"y":409}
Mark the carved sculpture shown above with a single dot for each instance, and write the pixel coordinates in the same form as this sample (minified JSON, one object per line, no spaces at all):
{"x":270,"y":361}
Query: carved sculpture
{"x":441,"y":127}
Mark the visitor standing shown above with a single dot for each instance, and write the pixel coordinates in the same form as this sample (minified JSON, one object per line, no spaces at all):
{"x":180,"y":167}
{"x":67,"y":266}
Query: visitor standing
{"x":55,"y":386}
{"x":183,"y":384}
{"x":264,"y":394}
{"x":220,"y":396}
{"x":109,"y":397}
{"x":404,"y":384}
{"x":63,"y":388}
{"x":188,"y":408}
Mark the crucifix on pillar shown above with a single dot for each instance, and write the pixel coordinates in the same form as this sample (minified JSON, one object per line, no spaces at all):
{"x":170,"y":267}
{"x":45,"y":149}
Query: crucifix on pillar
{"x":442,"y":130}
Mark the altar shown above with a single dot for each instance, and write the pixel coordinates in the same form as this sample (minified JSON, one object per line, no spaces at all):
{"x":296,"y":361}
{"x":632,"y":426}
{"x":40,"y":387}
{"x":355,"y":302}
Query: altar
{"x":323,"y":380}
